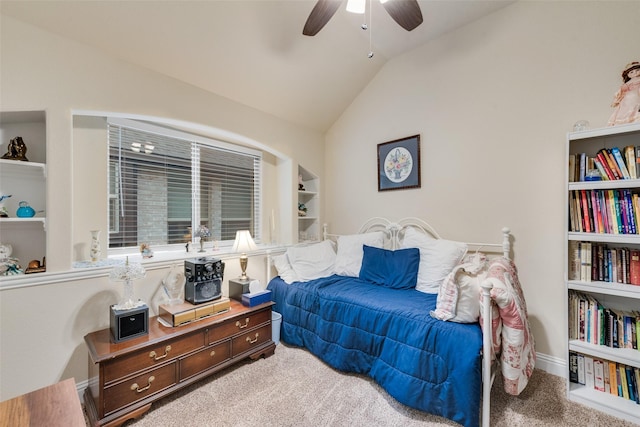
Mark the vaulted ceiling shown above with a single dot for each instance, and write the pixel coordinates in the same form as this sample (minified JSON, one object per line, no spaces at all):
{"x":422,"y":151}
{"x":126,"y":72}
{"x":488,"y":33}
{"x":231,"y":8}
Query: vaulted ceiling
{"x":252,"y":51}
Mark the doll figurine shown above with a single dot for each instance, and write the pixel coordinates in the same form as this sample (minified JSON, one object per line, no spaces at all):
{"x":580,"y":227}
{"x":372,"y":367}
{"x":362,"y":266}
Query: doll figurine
{"x":627,"y":99}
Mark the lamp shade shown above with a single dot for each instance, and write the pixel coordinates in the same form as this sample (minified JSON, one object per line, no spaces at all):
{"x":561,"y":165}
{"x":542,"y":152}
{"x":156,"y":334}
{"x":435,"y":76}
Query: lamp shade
{"x":244,"y":242}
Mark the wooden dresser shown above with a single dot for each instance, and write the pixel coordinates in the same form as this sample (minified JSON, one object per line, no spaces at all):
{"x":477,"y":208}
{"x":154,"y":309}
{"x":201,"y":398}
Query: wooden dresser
{"x":127,"y":377}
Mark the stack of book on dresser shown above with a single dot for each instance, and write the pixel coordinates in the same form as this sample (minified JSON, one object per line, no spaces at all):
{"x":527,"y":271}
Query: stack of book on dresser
{"x":180,"y":314}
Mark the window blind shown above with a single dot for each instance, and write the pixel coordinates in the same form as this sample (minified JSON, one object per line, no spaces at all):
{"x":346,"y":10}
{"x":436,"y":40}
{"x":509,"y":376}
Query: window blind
{"x":164,"y":184}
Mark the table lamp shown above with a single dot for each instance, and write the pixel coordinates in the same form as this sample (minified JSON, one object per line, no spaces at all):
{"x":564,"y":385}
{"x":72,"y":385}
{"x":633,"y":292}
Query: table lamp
{"x":127,"y":273}
{"x":129,"y":318}
{"x":243,"y":243}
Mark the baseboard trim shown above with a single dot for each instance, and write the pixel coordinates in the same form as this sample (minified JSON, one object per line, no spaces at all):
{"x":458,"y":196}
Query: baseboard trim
{"x":552,"y":365}
{"x":80,"y":387}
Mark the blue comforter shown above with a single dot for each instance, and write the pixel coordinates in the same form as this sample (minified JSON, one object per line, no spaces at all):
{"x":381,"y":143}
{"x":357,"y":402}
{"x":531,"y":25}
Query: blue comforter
{"x":388,"y":334}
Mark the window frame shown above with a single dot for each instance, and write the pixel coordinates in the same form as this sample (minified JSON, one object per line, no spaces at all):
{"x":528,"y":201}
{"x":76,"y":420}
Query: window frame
{"x":188,"y":137}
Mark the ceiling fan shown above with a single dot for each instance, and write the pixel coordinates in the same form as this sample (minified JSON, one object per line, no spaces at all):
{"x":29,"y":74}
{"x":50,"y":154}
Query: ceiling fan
{"x":405,"y":12}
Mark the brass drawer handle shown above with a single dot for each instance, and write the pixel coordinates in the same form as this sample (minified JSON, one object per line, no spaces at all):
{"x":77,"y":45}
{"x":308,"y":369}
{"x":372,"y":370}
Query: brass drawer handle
{"x":137,"y":388}
{"x":250,"y":341}
{"x":246,"y":323}
{"x":154,"y":356}
{"x":213,"y":353}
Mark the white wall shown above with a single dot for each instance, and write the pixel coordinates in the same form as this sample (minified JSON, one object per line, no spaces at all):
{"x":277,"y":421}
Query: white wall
{"x":492,"y":102}
{"x":42,"y":324}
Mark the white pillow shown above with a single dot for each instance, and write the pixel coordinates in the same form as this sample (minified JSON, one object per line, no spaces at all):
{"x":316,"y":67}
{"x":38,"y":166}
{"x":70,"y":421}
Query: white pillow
{"x":312,"y":261}
{"x":286,"y":273}
{"x":459,"y":295}
{"x":468,"y":307}
{"x":438,"y":257}
{"x":350,"y":252}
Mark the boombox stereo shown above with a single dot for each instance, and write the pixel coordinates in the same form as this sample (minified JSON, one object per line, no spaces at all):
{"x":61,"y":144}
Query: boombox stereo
{"x":204,"y":279}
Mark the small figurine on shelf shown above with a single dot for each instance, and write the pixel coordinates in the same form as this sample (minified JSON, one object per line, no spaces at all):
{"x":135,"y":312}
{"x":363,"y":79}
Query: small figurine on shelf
{"x":36,"y":267}
{"x":145,"y":250}
{"x":204,"y":233}
{"x":16,"y":150}
{"x":9,"y":266}
{"x":3,"y":210}
{"x":24,"y":210}
{"x":302,"y":209}
{"x":627,"y":99}
{"x":300,"y":184}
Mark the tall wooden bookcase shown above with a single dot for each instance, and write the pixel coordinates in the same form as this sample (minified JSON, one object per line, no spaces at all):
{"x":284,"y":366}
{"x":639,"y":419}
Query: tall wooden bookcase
{"x":615,"y":295}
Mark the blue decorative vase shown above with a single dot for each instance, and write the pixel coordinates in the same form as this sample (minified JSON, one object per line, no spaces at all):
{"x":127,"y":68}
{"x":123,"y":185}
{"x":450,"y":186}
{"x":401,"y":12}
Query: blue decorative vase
{"x":25,"y":211}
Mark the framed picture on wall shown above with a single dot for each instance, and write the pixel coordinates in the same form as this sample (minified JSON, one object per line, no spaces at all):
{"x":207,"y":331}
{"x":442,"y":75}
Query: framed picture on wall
{"x":399,"y":164}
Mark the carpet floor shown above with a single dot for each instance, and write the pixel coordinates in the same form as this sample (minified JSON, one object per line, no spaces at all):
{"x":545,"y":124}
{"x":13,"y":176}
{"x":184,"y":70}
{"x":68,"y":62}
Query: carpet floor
{"x":294,"y":388}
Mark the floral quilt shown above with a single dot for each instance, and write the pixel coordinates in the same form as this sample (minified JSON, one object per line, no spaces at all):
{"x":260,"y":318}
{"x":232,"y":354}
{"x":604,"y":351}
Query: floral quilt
{"x":512,"y":337}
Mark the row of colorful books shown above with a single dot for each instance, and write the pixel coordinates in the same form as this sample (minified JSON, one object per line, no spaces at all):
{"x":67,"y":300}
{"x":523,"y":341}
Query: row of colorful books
{"x":606,"y":376}
{"x":594,"y":323}
{"x":604,"y":211}
{"x":590,"y":261}
{"x":610,"y":163}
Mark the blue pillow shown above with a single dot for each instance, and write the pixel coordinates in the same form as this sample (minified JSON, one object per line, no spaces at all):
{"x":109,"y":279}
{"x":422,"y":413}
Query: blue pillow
{"x":392,"y":269}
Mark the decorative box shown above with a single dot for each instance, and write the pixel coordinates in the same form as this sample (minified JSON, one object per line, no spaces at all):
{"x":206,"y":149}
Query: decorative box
{"x":129,"y":323}
{"x":238,"y":287}
{"x":251,"y":300}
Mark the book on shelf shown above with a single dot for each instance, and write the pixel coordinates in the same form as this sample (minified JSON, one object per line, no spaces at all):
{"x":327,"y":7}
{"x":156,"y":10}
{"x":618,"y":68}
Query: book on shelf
{"x":605,"y":372}
{"x":608,"y":173}
{"x":613,"y":378}
{"x":607,"y":376}
{"x":620,"y":163}
{"x":623,"y":380}
{"x":574,"y":260}
{"x":630,"y":158}
{"x":611,"y":163}
{"x":631,"y":383}
{"x":636,"y":373}
{"x":598,"y":375}
{"x":589,"y":379}
{"x":634,"y":267}
{"x":604,"y":174}
{"x":572,"y":168}
{"x":582,"y":171}
{"x":573,"y":366}
{"x":594,"y":322}
{"x":604,"y":211}
{"x":581,"y":378}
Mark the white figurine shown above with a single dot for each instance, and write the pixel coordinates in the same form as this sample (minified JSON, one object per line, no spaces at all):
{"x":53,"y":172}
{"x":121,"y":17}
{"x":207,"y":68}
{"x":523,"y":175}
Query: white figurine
{"x":627,"y":99}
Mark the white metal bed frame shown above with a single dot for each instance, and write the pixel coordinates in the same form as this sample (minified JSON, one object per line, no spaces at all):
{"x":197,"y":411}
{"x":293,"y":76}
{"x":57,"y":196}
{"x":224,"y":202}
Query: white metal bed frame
{"x":394,"y":232}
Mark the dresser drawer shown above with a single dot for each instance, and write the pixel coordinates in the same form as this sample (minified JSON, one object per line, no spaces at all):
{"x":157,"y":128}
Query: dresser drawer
{"x":232,"y":327}
{"x":151,"y":356}
{"x":204,"y":359}
{"x":250,"y":339}
{"x":137,"y":388}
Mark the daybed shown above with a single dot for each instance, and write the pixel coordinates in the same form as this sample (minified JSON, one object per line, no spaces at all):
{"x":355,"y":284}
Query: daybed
{"x":400,"y":304}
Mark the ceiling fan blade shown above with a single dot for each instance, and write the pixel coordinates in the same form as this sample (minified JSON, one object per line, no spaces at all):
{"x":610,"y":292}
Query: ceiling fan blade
{"x":405,"y":12}
{"x":320,"y":15}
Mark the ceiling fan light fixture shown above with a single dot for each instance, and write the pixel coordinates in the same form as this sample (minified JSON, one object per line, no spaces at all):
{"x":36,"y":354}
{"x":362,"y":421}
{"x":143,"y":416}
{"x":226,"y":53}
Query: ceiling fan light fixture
{"x":356,"y":6}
